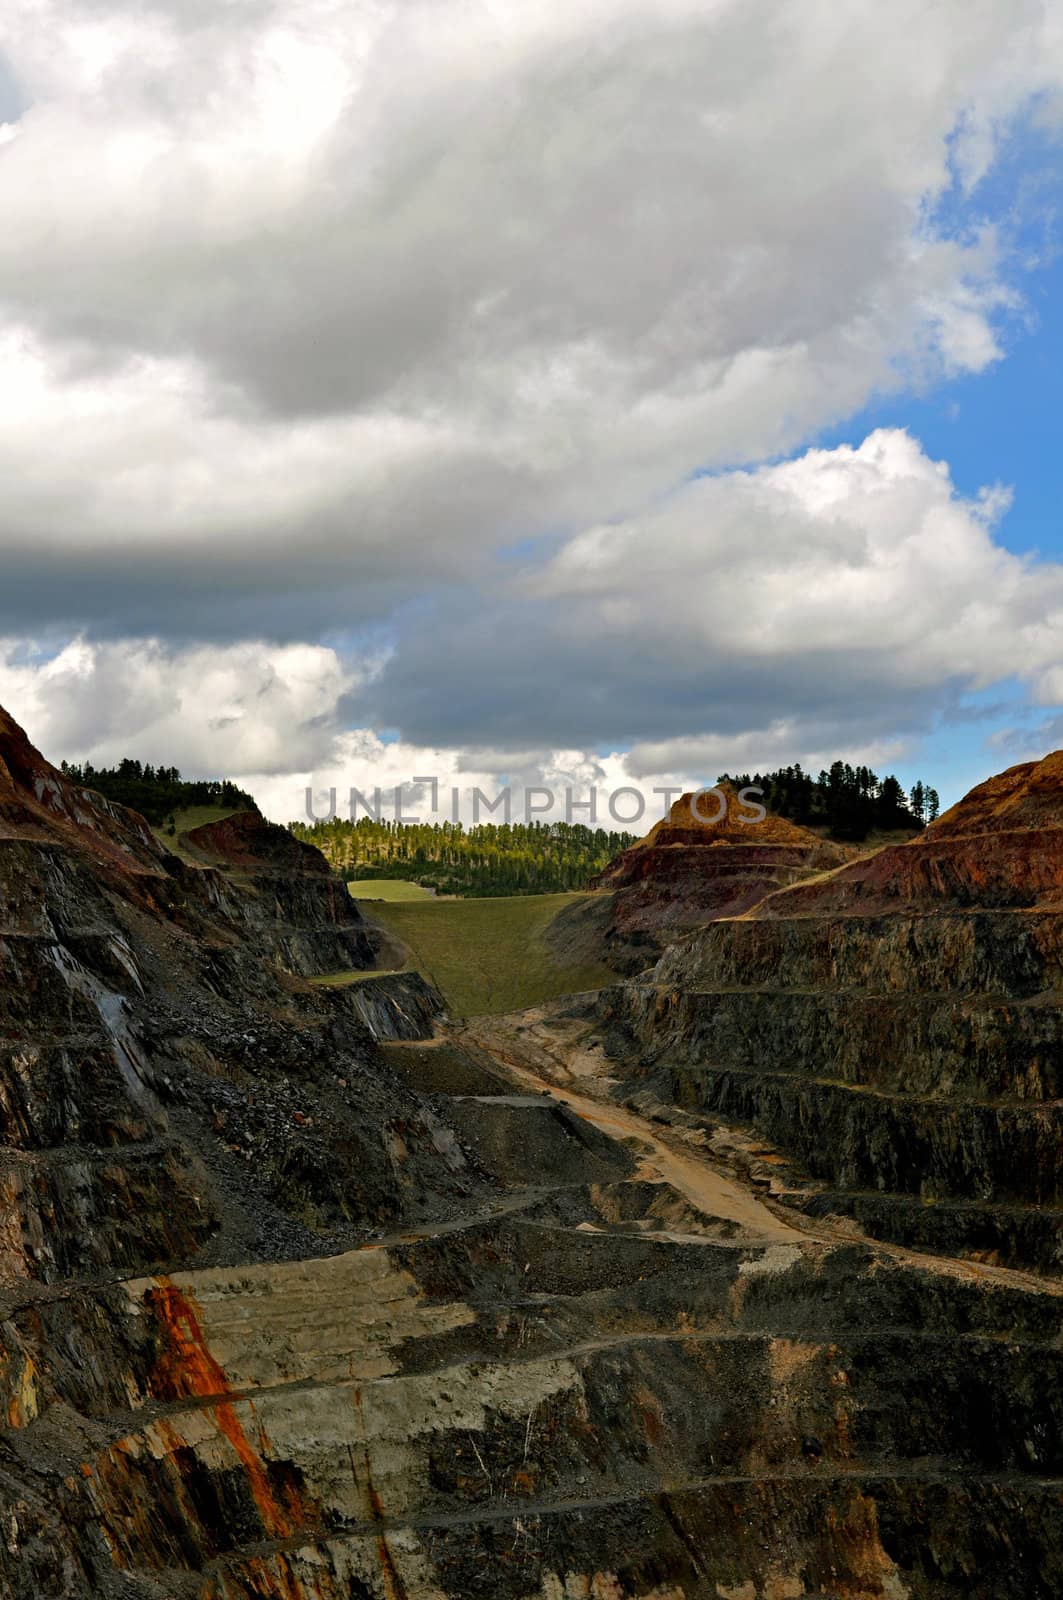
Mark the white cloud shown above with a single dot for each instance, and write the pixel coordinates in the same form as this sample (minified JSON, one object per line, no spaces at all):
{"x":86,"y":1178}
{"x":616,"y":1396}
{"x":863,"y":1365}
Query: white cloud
{"x":212,"y":711}
{"x":270,"y":719}
{"x":845,"y":596}
{"x":846,"y":552}
{"x":470,"y":786}
{"x":328,"y":302}
{"x":309,"y":313}
{"x":830,"y":605}
{"x":760,"y":750}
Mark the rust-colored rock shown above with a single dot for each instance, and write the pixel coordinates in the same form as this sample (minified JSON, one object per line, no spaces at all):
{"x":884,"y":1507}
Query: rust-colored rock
{"x":1000,"y":847}
{"x":38,"y":802}
{"x":896,"y":1025}
{"x":717,"y":821}
{"x":246,"y":840}
{"x":1028,"y":796}
{"x":714,"y":855}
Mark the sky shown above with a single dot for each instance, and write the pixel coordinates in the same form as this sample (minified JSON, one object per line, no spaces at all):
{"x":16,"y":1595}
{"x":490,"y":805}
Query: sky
{"x":600,"y":394}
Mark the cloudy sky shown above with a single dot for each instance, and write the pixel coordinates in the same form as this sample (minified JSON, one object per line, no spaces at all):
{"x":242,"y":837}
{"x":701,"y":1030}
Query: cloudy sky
{"x":628,"y":389}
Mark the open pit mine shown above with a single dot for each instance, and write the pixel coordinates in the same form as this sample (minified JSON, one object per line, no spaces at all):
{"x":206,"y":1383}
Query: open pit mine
{"x":737,"y":1280}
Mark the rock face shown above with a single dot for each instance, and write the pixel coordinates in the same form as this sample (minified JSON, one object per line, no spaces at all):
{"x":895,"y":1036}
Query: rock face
{"x":291,"y":905}
{"x":171,"y":1093}
{"x":247,"y":840}
{"x":897,"y":1027}
{"x":147,"y":1025}
{"x":713,"y":856}
{"x":289,"y":1311}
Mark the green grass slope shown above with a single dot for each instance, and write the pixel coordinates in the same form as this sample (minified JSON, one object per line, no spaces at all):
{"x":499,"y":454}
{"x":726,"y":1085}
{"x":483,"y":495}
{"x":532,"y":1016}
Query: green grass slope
{"x":391,"y":889}
{"x":488,"y":956}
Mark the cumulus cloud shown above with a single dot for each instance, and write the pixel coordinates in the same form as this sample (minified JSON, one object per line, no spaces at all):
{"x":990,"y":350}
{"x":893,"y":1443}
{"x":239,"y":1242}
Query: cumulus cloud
{"x":367,"y":775}
{"x":307,"y":310}
{"x":271,"y":719}
{"x":356,"y":363}
{"x":208,"y":710}
{"x":834,"y":602}
{"x":846,"y":595}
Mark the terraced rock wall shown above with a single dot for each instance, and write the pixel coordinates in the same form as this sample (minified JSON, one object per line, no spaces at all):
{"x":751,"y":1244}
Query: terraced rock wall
{"x":692,"y":866}
{"x":288,"y":1310}
{"x":897,"y":1027}
{"x":518,"y":1408}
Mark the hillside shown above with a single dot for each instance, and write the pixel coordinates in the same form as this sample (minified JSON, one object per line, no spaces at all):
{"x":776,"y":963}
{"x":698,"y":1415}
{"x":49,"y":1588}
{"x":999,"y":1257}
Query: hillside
{"x":159,"y":794}
{"x":489,"y":955}
{"x":686,"y":872}
{"x":897,"y":1026}
{"x":850,"y":803}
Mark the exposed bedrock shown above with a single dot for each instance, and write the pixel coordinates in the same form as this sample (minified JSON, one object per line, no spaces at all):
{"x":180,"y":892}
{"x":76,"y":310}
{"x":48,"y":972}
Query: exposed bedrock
{"x":298,"y":1300}
{"x":494,"y":1410}
{"x":693,"y":865}
{"x":287,"y":899}
{"x":895,"y":1026}
{"x":165,"y":1086}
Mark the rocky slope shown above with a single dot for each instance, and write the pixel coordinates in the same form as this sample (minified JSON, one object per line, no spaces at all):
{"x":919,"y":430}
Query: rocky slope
{"x":286,"y":1310}
{"x":704,"y":860}
{"x":290,"y":904}
{"x":896,"y":1026}
{"x":148,"y":1025}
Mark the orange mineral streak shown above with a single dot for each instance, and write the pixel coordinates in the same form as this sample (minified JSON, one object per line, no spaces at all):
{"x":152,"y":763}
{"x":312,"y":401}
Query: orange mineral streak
{"x":275,"y":1579}
{"x":394,"y":1587}
{"x":186,"y":1368}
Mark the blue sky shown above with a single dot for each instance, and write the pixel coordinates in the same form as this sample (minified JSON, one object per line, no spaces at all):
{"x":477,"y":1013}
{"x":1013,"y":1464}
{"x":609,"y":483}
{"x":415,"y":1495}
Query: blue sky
{"x":1001,"y":426}
{"x":1004,"y":425}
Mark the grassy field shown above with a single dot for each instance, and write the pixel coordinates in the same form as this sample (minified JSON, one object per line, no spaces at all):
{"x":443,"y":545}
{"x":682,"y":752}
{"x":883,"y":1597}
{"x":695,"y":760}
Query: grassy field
{"x":488,"y":956}
{"x":344,"y":980}
{"x":391,"y":889}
